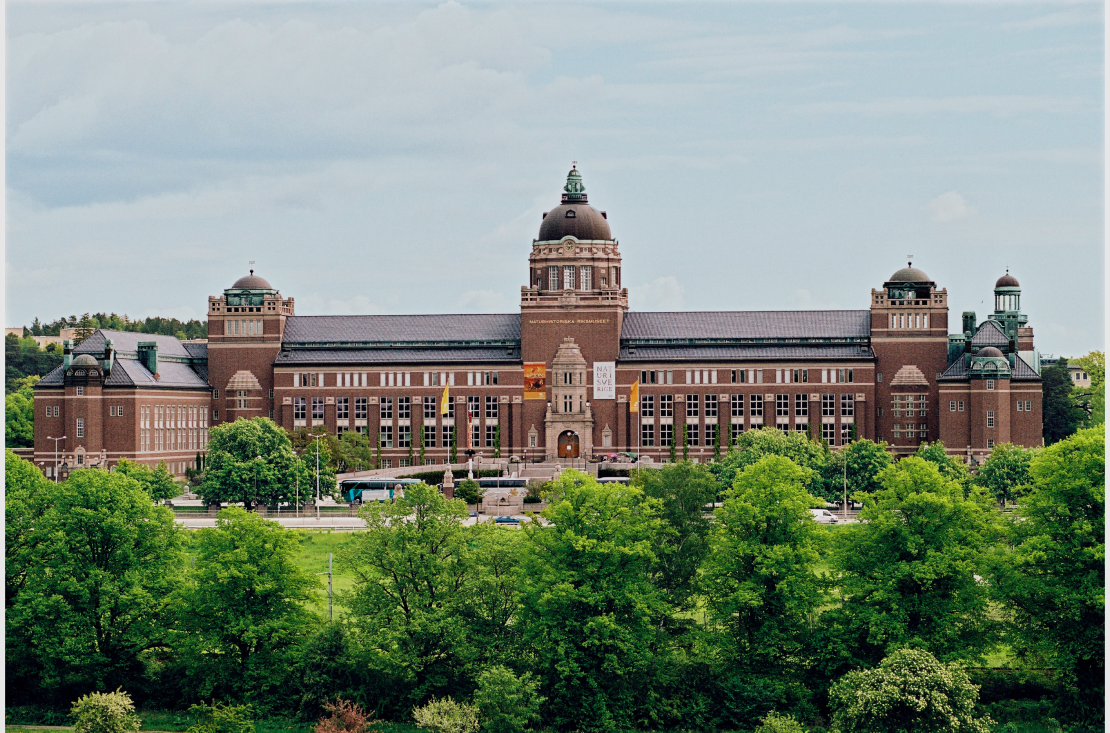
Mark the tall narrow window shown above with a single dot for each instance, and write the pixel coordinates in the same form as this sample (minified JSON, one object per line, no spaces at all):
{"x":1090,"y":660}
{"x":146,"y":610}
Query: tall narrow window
{"x":585,"y":277}
{"x":568,"y":277}
{"x":80,"y":427}
{"x":553,"y":277}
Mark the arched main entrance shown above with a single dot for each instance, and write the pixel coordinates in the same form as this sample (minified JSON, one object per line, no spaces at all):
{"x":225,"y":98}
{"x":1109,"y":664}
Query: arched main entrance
{"x":568,"y":444}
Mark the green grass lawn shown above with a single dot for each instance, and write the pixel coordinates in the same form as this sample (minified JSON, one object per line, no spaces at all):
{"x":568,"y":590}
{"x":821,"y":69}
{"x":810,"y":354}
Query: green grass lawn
{"x":312,"y":557}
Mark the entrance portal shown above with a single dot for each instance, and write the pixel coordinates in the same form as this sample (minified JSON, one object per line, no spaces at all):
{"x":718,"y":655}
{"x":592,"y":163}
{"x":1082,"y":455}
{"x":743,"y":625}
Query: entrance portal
{"x":568,"y":444}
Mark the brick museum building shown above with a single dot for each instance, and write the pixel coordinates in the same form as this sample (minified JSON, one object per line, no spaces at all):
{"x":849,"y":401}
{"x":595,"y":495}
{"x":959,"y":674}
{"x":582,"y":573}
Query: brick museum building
{"x":574,"y":374}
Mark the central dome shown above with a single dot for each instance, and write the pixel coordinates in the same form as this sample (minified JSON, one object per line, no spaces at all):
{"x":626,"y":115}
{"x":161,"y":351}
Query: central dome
{"x":909,"y":275}
{"x":251,"y":282}
{"x":574,"y":217}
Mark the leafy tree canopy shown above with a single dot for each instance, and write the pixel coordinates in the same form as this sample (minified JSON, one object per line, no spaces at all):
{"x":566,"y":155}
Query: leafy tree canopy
{"x":1005,"y":474}
{"x":19,"y":413}
{"x":1053,"y":582}
{"x":865,"y":461}
{"x":253,"y":460}
{"x":951,"y":467}
{"x":1062,"y":416}
{"x":157,"y":481}
{"x":469,"y":490}
{"x":754,"y":444}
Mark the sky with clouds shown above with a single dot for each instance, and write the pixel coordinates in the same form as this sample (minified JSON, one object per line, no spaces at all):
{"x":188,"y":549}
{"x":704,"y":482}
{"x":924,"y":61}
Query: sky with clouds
{"x":397,"y":158}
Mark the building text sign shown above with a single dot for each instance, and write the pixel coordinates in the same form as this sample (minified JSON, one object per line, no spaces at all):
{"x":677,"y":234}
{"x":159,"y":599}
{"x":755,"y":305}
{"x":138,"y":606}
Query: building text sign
{"x":605,"y":380}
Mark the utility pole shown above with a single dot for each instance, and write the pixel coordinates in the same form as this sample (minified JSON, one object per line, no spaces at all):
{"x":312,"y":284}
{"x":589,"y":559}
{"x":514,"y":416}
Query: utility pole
{"x":845,"y":484}
{"x":331,"y":616}
{"x":317,"y":471}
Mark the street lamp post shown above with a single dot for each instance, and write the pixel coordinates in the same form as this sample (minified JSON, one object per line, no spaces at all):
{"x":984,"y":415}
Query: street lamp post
{"x":845,"y":484}
{"x":317,"y":471}
{"x":256,"y":460}
{"x":55,"y":455}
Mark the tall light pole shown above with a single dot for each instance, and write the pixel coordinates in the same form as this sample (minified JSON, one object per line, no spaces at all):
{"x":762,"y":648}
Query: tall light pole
{"x":331,"y":617}
{"x":845,"y":484}
{"x":55,"y":455}
{"x":256,"y":460}
{"x":317,"y":471}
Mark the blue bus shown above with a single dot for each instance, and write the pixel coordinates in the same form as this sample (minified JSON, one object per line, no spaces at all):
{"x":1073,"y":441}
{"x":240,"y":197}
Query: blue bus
{"x":503,"y":483}
{"x":362,"y":490}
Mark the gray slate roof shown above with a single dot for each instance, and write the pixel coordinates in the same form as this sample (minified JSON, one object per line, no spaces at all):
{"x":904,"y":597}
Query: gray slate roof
{"x":990,"y":334}
{"x":127,"y":342}
{"x":431,"y":329}
{"x":747,"y":324}
{"x":130,"y":373}
{"x":755,"y":352}
{"x":353,"y":357}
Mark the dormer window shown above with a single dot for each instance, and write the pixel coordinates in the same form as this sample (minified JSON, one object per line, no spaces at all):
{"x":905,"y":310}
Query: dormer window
{"x":570,"y":213}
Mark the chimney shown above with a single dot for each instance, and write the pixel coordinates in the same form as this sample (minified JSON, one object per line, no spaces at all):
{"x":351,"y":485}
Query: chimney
{"x":67,"y":353}
{"x":109,"y":356}
{"x":969,"y":321}
{"x":148,"y":356}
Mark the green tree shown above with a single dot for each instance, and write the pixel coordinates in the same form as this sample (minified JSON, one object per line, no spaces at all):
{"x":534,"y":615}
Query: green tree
{"x":327,"y":668}
{"x":950,"y":467}
{"x":865,"y":461}
{"x":754,"y":444}
{"x":413,"y":573}
{"x":588,"y":602}
{"x":909,"y":692}
{"x":775,"y":723}
{"x":1005,"y":474}
{"x":217,"y":718}
{"x":158,"y":481}
{"x":507,"y":703}
{"x":759,"y":575}
{"x":19,"y":414}
{"x":469,"y":491}
{"x":96,"y":583}
{"x":1093,"y":399}
{"x":253,"y":460}
{"x":244,"y":608}
{"x":1061,"y":415}
{"x":684,"y":489}
{"x":907,"y":571}
{"x":1053,"y":582}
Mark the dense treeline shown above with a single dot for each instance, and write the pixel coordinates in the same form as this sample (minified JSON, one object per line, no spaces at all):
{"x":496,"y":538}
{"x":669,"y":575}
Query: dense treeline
{"x":627,"y":607}
{"x":86,"y":324}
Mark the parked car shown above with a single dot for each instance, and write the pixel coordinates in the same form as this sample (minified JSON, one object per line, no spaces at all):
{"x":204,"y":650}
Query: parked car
{"x":507,"y":520}
{"x":823,"y":516}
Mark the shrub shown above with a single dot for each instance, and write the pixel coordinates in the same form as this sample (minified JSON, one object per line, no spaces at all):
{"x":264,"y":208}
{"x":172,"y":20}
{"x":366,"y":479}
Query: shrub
{"x":507,"y":703}
{"x":346,"y":717}
{"x":775,"y":723}
{"x":447,"y":716}
{"x":216,"y":718}
{"x":105,"y":712}
{"x":469,"y":491}
{"x":909,"y":692}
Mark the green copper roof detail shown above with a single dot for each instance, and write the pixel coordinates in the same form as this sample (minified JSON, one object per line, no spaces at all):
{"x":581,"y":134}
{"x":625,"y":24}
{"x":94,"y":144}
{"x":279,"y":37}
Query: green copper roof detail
{"x":575,"y":190}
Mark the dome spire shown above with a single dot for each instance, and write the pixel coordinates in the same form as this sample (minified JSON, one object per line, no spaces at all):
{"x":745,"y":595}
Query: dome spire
{"x":574,"y":192}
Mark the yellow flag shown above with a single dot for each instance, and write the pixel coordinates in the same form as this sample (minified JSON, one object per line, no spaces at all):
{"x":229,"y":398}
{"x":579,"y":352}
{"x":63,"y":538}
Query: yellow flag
{"x":445,"y":401}
{"x":634,"y":397}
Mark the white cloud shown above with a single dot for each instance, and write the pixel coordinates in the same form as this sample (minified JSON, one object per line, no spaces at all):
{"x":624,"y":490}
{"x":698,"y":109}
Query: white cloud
{"x":485,"y":301}
{"x":948,"y":207}
{"x":662,"y":293}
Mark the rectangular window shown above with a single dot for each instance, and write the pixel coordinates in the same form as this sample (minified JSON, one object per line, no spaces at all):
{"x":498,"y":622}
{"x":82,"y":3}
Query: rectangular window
{"x":404,"y":408}
{"x":404,"y":436}
{"x":385,"y":408}
{"x":990,"y":443}
{"x":476,"y":435}
{"x":300,"y":408}
{"x":647,"y":377}
{"x":429,"y":408}
{"x":1028,"y":407}
{"x":666,"y":405}
{"x":711,"y":434}
{"x":80,"y":391}
{"x":782,"y":405}
{"x":952,"y":406}
{"x":568,"y":277}
{"x":828,"y":433}
{"x":80,"y":427}
{"x":342,"y":408}
{"x":990,"y":384}
{"x":828,"y":405}
{"x":737,"y":403}
{"x":801,"y":405}
{"x":474,"y":406}
{"x":845,"y":433}
{"x":1020,"y":404}
{"x":317,"y":408}
{"x":112,"y":411}
{"x":553,"y":277}
{"x":801,"y":375}
{"x":847,"y":405}
{"x":844,"y":375}
{"x":585,"y":278}
{"x":711,"y":405}
{"x":491,"y":407}
{"x":736,"y":430}
{"x":647,"y":405}
{"x":491,"y":435}
{"x":692,"y":405}
{"x":448,"y":435}
{"x":757,"y":405}
{"x":387,"y":463}
{"x":960,"y":406}
{"x":647,"y":434}
{"x":215,"y":415}
{"x":693,"y":434}
{"x":897,"y":430}
{"x":990,"y":418}
{"x":739,"y":376}
{"x":429,"y":434}
{"x":385,"y":435}
{"x":361,"y":409}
